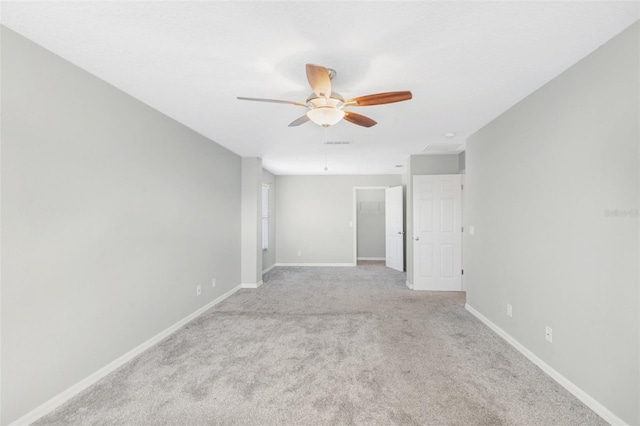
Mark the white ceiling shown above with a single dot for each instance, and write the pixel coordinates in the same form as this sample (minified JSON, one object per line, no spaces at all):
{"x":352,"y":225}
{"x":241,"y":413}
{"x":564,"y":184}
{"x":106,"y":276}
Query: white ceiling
{"x":465,"y":62}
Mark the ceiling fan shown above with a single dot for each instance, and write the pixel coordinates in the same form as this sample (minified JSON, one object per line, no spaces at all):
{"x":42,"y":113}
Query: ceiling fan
{"x":326,"y":108}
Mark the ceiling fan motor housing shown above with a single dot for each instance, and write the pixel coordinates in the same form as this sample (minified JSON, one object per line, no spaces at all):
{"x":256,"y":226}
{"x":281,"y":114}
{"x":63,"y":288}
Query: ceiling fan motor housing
{"x":314,"y":100}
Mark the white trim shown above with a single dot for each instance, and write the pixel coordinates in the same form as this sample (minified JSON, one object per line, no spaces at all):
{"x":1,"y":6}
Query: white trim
{"x":315,"y":264}
{"x":371,"y":258}
{"x":586,"y":399}
{"x":93,"y":378}
{"x":252,"y":285}
{"x":409,"y":285}
{"x":463,"y":182}
{"x":268,"y":269}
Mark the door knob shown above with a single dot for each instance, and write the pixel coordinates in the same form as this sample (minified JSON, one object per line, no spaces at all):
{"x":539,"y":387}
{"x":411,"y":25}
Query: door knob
{"x":417,"y":238}
{"x":400,"y":232}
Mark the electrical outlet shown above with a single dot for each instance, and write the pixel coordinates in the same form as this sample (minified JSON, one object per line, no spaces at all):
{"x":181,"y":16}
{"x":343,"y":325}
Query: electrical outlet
{"x":299,"y":252}
{"x":213,"y":283}
{"x":549,"y":334}
{"x":509,"y":310}
{"x":198,"y":290}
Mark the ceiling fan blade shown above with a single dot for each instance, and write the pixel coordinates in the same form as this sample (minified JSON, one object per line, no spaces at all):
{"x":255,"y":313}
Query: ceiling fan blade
{"x":319,"y":80}
{"x":359,"y":119}
{"x":380,"y":98}
{"x":275,"y":101}
{"x":299,"y":121}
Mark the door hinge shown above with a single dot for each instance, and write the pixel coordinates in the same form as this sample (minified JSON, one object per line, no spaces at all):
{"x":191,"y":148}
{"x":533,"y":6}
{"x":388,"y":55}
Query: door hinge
{"x":462,"y":229}
{"x":461,"y":186}
{"x":462,"y":271}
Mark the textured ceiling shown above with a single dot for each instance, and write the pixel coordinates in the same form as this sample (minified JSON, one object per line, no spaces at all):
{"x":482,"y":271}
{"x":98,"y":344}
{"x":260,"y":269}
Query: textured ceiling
{"x":465,"y":62}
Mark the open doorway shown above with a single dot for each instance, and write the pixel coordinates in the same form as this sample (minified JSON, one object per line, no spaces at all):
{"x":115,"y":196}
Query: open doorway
{"x":369,"y":225}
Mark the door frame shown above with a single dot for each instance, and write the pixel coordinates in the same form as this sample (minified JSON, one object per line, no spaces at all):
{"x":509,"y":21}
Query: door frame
{"x":391,"y":238}
{"x":355,"y":218}
{"x":463,"y":178}
{"x":416,"y":231}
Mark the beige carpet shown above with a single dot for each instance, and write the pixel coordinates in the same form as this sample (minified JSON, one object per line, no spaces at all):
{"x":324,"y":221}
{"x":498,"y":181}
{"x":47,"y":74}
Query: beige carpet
{"x":320,"y":346}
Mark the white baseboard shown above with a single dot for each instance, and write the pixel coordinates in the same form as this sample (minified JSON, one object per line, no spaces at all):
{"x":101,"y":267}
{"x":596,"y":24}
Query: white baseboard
{"x":371,"y":258}
{"x":315,"y":264}
{"x":252,"y":285}
{"x":69,"y":393}
{"x":268,"y":269}
{"x":586,"y":399}
{"x":409,"y":285}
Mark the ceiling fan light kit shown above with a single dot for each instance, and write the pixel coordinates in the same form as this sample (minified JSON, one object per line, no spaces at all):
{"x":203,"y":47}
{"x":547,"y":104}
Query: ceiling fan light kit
{"x":325,"y":116}
{"x":326,"y":108}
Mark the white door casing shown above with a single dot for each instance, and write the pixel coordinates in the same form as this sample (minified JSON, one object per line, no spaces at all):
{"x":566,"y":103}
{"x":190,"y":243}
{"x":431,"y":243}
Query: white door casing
{"x":437,"y":233}
{"x":394,"y":228}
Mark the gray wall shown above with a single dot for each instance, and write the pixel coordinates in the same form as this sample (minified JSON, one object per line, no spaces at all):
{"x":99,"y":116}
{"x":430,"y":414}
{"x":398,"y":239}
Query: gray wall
{"x":422,"y":164}
{"x":371,"y":223}
{"x":112,"y":213}
{"x":429,"y":164}
{"x":251,"y":214}
{"x":540,"y":179}
{"x":269,"y":255}
{"x":314,"y":214}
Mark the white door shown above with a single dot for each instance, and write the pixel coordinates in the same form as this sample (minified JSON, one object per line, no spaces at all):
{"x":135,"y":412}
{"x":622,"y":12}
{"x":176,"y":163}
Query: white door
{"x":394,"y":228}
{"x":437,"y":233}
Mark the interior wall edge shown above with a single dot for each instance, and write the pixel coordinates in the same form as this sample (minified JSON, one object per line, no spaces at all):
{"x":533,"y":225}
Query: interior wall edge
{"x":93,"y":378}
{"x":583,"y":396}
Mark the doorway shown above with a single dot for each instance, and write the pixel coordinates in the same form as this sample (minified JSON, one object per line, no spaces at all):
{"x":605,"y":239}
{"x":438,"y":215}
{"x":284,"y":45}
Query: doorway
{"x":378,"y":226}
{"x":437,"y":241}
{"x":370,"y":225}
